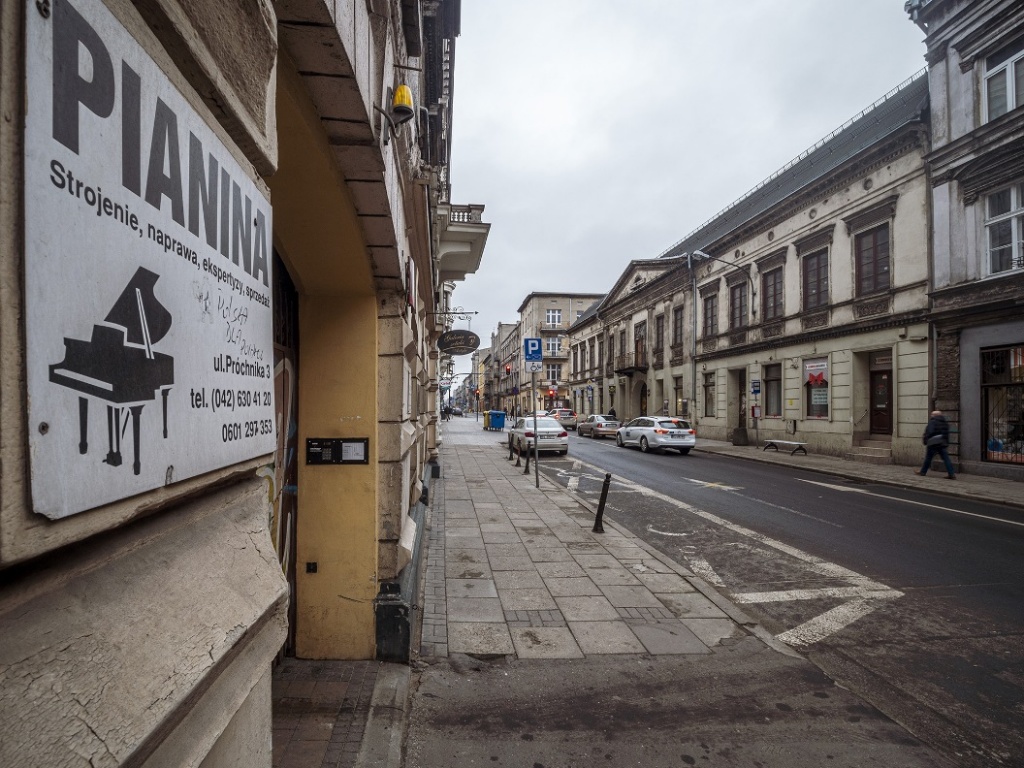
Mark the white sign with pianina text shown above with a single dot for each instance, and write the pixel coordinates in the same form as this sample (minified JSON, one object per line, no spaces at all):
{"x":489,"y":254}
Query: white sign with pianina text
{"x":148,"y":266}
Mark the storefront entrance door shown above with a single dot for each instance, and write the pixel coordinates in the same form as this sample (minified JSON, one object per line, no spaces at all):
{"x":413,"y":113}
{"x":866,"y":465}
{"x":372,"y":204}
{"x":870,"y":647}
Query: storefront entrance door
{"x":881,"y":402}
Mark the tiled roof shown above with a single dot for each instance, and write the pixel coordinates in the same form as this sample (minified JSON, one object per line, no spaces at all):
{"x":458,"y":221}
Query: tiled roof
{"x":905,"y":104}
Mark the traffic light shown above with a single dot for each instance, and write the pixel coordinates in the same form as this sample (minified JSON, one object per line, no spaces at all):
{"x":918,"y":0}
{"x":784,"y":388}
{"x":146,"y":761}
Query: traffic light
{"x":476,"y":392}
{"x":552,"y":392}
{"x":508,"y":370}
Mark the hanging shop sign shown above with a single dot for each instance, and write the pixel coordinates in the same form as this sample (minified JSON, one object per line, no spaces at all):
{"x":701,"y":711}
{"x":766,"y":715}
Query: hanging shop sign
{"x":149,"y":328}
{"x":458,"y":342}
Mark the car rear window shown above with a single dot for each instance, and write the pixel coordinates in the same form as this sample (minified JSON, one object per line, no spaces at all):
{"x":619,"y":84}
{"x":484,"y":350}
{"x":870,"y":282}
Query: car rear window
{"x":674,"y":424}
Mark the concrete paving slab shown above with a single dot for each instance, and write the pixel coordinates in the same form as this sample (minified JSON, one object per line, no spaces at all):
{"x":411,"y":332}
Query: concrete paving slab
{"x":711,"y":632}
{"x":560,"y":569}
{"x":545,"y":643}
{"x":665,"y":583}
{"x":569,"y":587}
{"x":519,"y":580}
{"x":506,"y":550}
{"x":527,"y":600}
{"x":466,"y":555}
{"x":550,"y":555}
{"x":616,"y":575}
{"x":494,"y":537}
{"x":479,"y":638}
{"x":586,"y":608}
{"x":630,"y":597}
{"x":479,"y":609}
{"x":598,"y":637}
{"x":461,"y":588}
{"x":693,"y":606}
{"x":467,"y":571}
{"x":511,"y":564}
{"x":667,"y":638}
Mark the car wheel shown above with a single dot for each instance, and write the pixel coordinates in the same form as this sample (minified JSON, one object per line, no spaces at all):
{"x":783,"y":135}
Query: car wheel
{"x":618,"y":441}
{"x":644,"y":446}
{"x":563,"y":453}
{"x":683,"y":451}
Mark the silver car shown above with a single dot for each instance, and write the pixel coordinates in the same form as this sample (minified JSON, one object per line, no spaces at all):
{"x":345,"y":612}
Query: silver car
{"x":551,"y":436}
{"x":598,"y":425}
{"x":656,"y":433}
{"x":564,"y":416}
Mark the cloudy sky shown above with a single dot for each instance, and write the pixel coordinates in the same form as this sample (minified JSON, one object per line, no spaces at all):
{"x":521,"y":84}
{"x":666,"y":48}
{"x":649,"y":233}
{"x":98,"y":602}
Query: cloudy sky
{"x":596,"y":132}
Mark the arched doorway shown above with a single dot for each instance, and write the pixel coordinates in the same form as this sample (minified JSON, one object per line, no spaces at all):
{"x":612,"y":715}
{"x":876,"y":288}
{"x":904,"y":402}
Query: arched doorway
{"x":643,"y":399}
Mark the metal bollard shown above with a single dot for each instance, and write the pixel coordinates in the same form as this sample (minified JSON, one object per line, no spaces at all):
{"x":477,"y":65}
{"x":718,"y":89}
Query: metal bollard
{"x":598,"y":527}
{"x":519,"y":456}
{"x":527,"y":470}
{"x":510,"y":451}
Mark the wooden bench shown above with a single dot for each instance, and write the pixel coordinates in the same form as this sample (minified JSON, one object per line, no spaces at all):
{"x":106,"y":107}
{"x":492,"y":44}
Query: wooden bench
{"x":796,"y":446}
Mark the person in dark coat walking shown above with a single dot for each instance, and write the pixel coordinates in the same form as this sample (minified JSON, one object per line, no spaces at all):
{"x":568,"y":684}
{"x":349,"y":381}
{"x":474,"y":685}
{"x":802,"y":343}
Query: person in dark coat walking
{"x":936,"y":440}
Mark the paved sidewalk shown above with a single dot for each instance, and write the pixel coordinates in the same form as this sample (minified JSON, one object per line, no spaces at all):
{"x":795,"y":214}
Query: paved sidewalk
{"x":515,"y":572}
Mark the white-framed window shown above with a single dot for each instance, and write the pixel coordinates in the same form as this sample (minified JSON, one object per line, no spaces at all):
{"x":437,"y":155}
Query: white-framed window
{"x":553,"y":345}
{"x":1004,"y":80}
{"x":709,"y":394}
{"x":553,"y":371}
{"x":773,"y":391}
{"x":1004,"y":229}
{"x":553,"y":316}
{"x":816,"y":378}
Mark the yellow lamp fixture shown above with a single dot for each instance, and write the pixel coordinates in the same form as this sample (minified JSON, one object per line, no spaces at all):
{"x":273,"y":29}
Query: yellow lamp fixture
{"x":401,"y":105}
{"x":400,"y":110}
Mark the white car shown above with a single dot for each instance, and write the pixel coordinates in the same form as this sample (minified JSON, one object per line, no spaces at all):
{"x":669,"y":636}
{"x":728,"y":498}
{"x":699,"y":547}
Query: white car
{"x":552,"y":435}
{"x":656,"y":433}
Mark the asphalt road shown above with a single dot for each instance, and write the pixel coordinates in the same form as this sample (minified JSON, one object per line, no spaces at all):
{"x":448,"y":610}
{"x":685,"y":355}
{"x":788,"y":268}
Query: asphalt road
{"x":915,"y":601}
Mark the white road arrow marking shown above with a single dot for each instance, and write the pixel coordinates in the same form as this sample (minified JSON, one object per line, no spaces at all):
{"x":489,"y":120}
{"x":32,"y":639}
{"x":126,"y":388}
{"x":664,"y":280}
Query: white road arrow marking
{"x":826,"y":624}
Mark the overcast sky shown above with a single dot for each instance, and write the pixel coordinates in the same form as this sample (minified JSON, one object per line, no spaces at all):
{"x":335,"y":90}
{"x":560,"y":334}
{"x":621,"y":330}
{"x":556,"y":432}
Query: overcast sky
{"x":596,"y":132}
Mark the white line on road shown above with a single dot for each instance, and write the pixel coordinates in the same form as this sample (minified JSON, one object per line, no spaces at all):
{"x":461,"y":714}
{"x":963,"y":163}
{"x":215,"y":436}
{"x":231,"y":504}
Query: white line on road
{"x":826,"y":624}
{"x":703,"y":568}
{"x":789,"y":595}
{"x":664,"y":533}
{"x":917,"y":503}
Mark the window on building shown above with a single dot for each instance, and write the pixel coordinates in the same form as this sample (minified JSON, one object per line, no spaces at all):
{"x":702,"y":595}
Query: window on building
{"x":709,"y":394}
{"x":1004,"y":79}
{"x":553,"y":371}
{"x":816,"y":387}
{"x":682,"y":405}
{"x":659,"y":333}
{"x":611,"y":350}
{"x":575,"y":360}
{"x":553,"y":345}
{"x":773,"y":391}
{"x":553,"y":316}
{"x":815,"y":268}
{"x":711,"y":315}
{"x":1004,"y":226}
{"x":677,"y":326}
{"x":771,"y":292}
{"x":738,"y":306}
{"x":600,"y":353}
{"x":622,"y":342}
{"x":872,"y":253}
{"x":1002,"y":398}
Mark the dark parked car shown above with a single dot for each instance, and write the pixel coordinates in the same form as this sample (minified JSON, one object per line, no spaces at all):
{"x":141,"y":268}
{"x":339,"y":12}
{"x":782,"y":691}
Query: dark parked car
{"x":598,"y":425}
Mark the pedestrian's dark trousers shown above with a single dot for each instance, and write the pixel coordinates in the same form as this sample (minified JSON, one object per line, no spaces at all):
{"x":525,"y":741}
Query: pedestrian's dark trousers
{"x":930,"y":454}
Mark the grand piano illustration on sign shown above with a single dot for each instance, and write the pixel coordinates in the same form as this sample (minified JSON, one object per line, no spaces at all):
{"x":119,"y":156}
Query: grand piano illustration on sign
{"x":118,"y":365}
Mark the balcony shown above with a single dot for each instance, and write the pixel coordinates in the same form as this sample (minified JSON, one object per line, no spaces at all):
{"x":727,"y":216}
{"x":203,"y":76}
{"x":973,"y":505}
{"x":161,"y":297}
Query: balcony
{"x":462,"y":236}
{"x":628,"y":364}
{"x":554,"y":327}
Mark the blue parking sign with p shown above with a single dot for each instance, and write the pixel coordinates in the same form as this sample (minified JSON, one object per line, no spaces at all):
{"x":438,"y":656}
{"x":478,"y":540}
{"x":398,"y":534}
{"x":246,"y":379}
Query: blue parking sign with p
{"x":532,"y":350}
